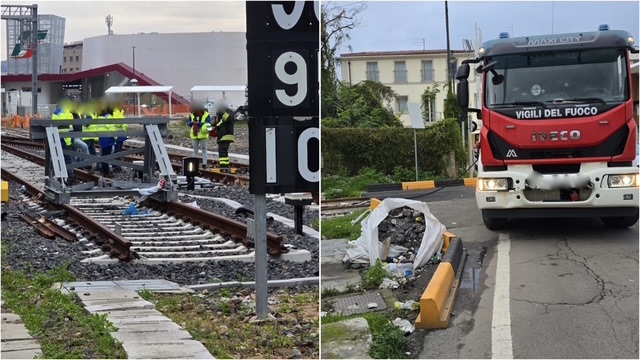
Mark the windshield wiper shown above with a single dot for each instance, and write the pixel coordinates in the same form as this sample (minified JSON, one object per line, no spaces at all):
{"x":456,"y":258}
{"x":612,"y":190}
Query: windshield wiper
{"x":536,"y":103}
{"x":591,"y":99}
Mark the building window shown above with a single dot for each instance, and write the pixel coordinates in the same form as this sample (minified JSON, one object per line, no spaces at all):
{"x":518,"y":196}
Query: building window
{"x":77,"y":69}
{"x":427,"y":71}
{"x":401,"y":104}
{"x":372,"y":71}
{"x":64,"y":59}
{"x":400,"y":71}
{"x":77,"y":58}
{"x":430,"y":111}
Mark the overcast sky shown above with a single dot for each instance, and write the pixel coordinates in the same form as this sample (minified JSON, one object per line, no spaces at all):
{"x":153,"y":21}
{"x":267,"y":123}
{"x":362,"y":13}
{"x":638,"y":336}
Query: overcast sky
{"x":87,"y":18}
{"x":401,"y":25}
{"x":385,"y":25}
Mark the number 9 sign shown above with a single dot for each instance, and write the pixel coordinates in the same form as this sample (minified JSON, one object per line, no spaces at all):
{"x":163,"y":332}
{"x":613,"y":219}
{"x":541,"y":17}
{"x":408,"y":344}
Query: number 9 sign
{"x":282,"y":49}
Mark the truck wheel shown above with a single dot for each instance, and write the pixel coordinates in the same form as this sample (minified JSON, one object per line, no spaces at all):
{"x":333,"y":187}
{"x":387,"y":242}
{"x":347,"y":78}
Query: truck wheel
{"x":620,"y":222}
{"x":494,"y":223}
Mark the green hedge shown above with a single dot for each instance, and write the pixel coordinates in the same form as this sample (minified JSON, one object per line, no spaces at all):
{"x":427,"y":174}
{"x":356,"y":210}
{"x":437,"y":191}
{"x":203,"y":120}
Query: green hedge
{"x":347,"y":150}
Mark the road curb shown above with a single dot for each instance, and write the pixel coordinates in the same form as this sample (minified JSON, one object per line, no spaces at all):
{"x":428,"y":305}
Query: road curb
{"x":437,"y":300}
{"x":421,"y":185}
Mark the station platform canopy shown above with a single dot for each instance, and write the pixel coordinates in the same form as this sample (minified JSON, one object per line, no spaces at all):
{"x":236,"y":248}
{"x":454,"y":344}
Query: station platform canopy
{"x":141,"y":90}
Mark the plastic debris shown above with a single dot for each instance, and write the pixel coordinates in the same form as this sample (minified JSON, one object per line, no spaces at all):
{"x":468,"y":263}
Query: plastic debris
{"x":400,"y":270}
{"x":372,"y":305}
{"x":323,"y":313}
{"x":131,"y":210}
{"x":407,"y":305}
{"x":193,"y":204}
{"x":404,"y":325}
{"x":389,"y":284}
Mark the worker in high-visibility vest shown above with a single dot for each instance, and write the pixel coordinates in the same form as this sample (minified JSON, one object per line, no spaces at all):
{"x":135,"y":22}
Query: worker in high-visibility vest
{"x":63,"y":112}
{"x":117,"y":113}
{"x":89,"y":111}
{"x":200,"y":123}
{"x":225,"y":119}
{"x":107,"y":143}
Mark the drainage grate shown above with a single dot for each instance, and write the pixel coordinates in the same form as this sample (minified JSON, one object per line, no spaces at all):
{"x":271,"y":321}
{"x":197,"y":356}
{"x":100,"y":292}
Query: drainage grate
{"x":357,"y":304}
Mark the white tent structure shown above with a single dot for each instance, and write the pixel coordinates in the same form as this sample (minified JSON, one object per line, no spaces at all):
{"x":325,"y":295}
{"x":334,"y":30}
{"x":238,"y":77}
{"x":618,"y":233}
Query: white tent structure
{"x":224,"y":89}
{"x":141,"y":90}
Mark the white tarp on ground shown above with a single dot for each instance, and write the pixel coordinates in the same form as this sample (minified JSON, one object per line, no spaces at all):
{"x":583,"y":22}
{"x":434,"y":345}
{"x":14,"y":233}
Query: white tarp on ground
{"x":368,"y":245}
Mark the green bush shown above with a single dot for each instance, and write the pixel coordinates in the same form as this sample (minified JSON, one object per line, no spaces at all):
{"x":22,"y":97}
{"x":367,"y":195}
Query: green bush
{"x":347,"y":151}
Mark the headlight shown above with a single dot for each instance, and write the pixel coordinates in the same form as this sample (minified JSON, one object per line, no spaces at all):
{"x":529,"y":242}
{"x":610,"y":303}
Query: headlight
{"x":623,"y":180}
{"x":493,"y":184}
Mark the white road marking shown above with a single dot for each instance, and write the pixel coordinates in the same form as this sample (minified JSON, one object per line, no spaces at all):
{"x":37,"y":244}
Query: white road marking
{"x":501,"y":344}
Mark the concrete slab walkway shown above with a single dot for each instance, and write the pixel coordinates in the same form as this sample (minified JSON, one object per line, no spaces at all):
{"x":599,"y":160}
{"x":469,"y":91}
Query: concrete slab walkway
{"x":143,"y":331}
{"x":17,"y":343}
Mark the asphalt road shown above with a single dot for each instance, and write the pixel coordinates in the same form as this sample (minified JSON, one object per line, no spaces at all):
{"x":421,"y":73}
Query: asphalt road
{"x":553,"y":288}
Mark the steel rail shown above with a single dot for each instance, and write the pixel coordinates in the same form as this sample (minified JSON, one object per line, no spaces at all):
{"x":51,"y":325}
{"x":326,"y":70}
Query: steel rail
{"x":119,"y":246}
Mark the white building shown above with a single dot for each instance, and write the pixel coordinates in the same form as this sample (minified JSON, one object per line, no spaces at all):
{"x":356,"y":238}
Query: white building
{"x":181,"y":60}
{"x":408,"y":73}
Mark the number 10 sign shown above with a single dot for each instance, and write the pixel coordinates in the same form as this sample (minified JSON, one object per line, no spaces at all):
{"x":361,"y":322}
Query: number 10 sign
{"x":282,"y":49}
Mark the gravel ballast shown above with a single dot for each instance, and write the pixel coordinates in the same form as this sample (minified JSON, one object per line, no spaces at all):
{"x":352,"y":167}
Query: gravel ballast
{"x":30,"y":252}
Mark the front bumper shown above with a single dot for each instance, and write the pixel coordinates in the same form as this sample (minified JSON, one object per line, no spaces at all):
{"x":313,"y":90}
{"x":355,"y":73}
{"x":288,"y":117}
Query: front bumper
{"x":596,"y":199}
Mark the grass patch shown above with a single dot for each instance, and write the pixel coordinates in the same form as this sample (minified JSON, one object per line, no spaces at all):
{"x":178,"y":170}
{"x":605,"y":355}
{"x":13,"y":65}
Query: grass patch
{"x":220,"y":322}
{"x":58,"y":321}
{"x":340,"y":227}
{"x":389,"y":342}
{"x":339,"y":186}
{"x":373,"y":278}
{"x":342,"y":186}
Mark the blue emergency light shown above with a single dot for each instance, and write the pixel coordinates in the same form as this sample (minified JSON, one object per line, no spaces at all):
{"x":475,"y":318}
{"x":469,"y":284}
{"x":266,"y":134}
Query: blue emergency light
{"x":603,"y":27}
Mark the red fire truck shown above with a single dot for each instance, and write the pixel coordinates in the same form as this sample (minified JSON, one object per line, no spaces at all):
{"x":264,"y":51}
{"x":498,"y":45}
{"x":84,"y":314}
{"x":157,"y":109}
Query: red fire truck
{"x":558,"y":136}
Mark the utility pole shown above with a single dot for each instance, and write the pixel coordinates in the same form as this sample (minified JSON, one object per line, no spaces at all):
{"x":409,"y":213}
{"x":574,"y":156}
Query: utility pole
{"x":134,"y":60}
{"x":449,"y":74}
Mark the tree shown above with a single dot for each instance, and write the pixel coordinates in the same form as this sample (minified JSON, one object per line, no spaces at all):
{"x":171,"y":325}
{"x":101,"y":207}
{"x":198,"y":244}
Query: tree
{"x":337,"y":19}
{"x":366,"y":104}
{"x":451,"y":108}
{"x":428,"y":98}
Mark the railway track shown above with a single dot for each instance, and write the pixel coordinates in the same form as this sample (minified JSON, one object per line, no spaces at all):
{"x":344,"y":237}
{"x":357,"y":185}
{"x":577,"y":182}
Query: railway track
{"x":156,"y":233}
{"x":337,"y":207}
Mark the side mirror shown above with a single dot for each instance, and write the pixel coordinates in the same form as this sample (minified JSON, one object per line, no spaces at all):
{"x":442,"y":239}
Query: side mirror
{"x":462,"y":89}
{"x":463,"y":72}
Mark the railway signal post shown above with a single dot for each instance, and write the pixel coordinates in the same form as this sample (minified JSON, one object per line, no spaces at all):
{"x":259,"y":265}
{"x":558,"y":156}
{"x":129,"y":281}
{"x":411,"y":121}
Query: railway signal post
{"x":284,"y":133}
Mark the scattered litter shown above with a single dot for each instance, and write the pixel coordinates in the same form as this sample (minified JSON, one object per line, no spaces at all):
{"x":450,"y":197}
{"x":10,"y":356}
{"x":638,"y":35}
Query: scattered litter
{"x":404,"y":325}
{"x":389,"y":284}
{"x":407,"y":305}
{"x":131,"y":210}
{"x":435,"y":259}
{"x":400,"y":270}
{"x":396,"y":250}
{"x":193,"y":204}
{"x":150,"y":191}
{"x":323,"y":313}
{"x":372,"y":305}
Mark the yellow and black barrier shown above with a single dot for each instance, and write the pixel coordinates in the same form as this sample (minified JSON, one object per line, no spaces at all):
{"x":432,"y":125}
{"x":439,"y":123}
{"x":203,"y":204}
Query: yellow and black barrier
{"x":421,"y":185}
{"x":437,"y":300}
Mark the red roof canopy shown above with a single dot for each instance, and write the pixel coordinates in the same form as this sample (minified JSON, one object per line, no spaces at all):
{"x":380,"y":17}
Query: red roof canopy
{"x":121,"y":68}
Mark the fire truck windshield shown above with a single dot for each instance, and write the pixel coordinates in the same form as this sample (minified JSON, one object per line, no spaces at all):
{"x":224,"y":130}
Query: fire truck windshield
{"x":587,"y":76}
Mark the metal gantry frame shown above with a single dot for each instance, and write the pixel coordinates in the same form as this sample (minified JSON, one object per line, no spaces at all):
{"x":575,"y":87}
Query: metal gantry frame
{"x":154,"y":153}
{"x":27,"y":13}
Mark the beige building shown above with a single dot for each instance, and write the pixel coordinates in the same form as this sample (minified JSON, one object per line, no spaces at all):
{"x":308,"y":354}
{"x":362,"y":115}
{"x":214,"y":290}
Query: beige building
{"x":408,"y":73}
{"x":72,"y":57}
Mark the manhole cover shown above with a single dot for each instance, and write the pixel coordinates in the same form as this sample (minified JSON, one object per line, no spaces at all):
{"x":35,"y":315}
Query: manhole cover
{"x":358,"y":304}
